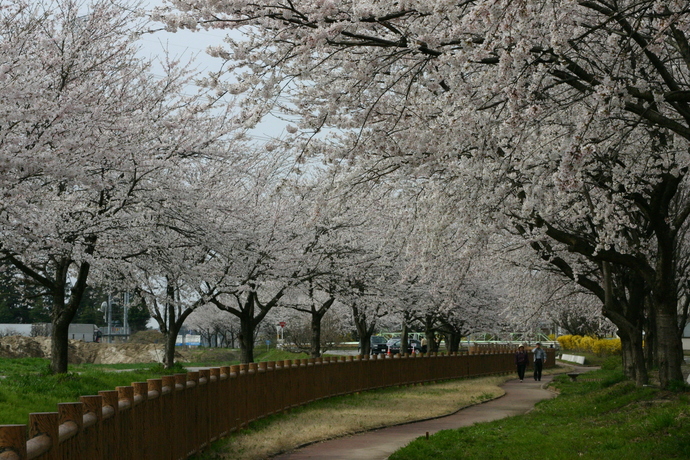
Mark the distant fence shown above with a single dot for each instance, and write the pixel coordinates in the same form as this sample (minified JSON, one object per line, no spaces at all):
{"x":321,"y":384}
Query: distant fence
{"x":177,"y":416}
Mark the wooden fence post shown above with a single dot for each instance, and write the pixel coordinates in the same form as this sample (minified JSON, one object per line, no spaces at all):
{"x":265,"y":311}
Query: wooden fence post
{"x":126,"y":422}
{"x":13,"y":442}
{"x":170,"y":417}
{"x":225,"y":414}
{"x":203,"y":407}
{"x":93,"y":419}
{"x":262,"y":392}
{"x":141,"y":427}
{"x":192,"y":429}
{"x":156,"y":429}
{"x":295,"y":389}
{"x":44,"y":435}
{"x":215,"y":424}
{"x":237,"y":401}
{"x":181,"y":423}
{"x":71,"y":416}
{"x":110,"y":430}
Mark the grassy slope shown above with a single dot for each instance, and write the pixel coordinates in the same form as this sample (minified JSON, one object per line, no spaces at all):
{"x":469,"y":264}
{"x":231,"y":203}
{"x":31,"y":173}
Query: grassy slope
{"x":602,"y":416}
{"x":27,"y":387}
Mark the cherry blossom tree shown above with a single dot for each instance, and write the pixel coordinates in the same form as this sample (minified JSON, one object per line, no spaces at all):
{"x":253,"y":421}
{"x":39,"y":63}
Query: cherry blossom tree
{"x":299,"y":334}
{"x":86,"y":127}
{"x":217,"y":327}
{"x":258,"y":249}
{"x":565,"y":120}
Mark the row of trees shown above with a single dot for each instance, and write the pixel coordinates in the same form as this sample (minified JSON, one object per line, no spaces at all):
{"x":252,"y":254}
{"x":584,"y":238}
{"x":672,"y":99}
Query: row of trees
{"x":563,"y":124}
{"x":473,"y":167}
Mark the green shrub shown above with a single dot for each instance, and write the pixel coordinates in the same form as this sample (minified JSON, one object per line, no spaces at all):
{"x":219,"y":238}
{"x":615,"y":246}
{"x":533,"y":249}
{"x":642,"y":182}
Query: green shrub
{"x":678,"y":386}
{"x":612,"y":363}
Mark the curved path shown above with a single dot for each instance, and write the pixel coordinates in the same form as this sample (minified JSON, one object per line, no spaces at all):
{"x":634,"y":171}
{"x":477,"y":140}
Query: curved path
{"x":520,"y":398}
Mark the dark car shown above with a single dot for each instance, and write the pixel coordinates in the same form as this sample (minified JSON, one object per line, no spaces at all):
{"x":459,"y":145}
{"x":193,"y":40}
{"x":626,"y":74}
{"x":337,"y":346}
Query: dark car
{"x":412,"y":344}
{"x":378,"y":345}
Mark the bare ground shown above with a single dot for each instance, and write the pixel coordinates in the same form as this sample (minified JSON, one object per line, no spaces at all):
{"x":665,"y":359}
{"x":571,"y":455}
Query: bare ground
{"x":82,"y":352}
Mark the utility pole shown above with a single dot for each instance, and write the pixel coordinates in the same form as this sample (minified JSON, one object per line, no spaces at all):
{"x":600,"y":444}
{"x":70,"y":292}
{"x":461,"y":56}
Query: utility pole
{"x":125,"y":322}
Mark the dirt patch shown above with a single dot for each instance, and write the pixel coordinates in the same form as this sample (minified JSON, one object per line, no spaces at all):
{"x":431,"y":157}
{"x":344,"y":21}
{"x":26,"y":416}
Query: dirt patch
{"x":83,"y":352}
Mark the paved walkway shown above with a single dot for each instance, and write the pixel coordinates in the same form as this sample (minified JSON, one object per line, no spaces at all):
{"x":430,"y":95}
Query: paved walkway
{"x":520,"y":398}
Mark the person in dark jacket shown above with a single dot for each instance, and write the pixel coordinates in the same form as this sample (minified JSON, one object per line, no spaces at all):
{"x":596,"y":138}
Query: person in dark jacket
{"x":539,"y":361}
{"x":521,"y":361}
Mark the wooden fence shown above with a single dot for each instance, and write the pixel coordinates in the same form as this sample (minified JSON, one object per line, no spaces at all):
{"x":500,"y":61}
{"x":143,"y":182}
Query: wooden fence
{"x":176,"y":416}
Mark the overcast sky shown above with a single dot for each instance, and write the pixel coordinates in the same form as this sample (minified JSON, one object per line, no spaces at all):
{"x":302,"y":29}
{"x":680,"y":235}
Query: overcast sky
{"x":186,"y":45}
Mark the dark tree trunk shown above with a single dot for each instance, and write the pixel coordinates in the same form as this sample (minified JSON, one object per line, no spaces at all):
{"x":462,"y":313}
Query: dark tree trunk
{"x":430,"y":334}
{"x":651,"y":347}
{"x":364,"y":329}
{"x":404,"y":339}
{"x":665,"y":304}
{"x":670,"y":346}
{"x":316,"y":318}
{"x":169,"y":322}
{"x":316,"y":335}
{"x":59,"y":347}
{"x":624,"y":300}
{"x":248,"y":319}
{"x":453,"y":341}
{"x":246,"y":339}
{"x":173,"y":330}
{"x":63,"y":314}
{"x":169,"y":351}
{"x":633,"y":355}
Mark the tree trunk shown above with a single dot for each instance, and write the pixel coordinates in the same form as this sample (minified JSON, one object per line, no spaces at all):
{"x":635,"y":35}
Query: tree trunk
{"x":170,"y":333}
{"x":633,"y":355}
{"x":316,"y":317}
{"x":246,"y":339}
{"x":169,"y":351}
{"x":316,"y":335}
{"x":63,"y":314}
{"x":364,"y":330}
{"x":404,"y":339}
{"x":665,"y":304}
{"x":627,"y":312}
{"x":651,"y":348}
{"x":665,"y":288}
{"x":670,"y":347}
{"x":453,"y":341}
{"x":59,"y":347}
{"x":430,"y":334}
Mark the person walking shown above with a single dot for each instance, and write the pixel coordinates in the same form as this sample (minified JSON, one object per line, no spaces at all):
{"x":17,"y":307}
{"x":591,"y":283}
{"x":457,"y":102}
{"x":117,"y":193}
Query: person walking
{"x":539,"y":360}
{"x":521,"y":361}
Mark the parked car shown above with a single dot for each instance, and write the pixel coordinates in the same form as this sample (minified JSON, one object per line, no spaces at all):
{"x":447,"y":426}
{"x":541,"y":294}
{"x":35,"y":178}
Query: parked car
{"x":412,"y":344}
{"x":377,"y":345}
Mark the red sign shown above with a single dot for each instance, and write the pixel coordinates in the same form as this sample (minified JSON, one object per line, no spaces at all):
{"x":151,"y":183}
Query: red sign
{"x":282,"y":324}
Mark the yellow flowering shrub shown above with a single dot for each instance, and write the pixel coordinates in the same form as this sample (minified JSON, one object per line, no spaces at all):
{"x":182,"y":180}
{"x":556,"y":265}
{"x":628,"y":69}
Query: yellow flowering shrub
{"x":590,"y":344}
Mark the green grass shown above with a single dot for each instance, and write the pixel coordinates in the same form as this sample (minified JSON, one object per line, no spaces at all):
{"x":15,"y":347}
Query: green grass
{"x":601,"y":415}
{"x":277,"y":355}
{"x":591,"y":359}
{"x":28,"y":387}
